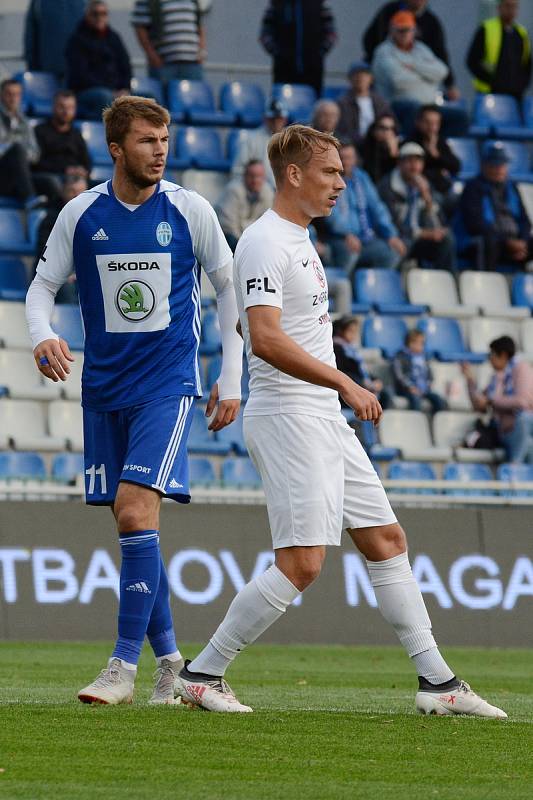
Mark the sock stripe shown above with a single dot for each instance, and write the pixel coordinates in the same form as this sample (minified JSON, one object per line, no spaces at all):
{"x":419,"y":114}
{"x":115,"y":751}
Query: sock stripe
{"x":129,"y":540}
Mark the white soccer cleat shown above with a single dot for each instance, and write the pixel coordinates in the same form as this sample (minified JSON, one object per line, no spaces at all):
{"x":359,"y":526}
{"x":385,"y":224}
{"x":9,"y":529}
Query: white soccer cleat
{"x":166,"y":689}
{"x":208,"y":692}
{"x":458,"y":700}
{"x":114,"y":685}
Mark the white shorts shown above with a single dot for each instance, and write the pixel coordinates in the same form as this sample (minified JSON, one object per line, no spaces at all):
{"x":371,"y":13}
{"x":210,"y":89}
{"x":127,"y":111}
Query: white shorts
{"x":317,"y":478}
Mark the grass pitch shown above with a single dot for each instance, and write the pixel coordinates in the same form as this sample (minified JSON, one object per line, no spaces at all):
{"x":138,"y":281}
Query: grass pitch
{"x":329,"y":723}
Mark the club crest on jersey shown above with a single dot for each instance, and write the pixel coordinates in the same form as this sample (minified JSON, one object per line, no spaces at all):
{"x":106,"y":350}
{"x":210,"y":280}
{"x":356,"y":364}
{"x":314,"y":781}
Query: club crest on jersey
{"x":163,"y":234}
{"x":135,"y":300}
{"x":319,"y":273}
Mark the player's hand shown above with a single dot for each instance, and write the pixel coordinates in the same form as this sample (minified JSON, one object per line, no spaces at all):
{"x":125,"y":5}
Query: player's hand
{"x":226,"y":412}
{"x":364,"y":403}
{"x":52,"y":357}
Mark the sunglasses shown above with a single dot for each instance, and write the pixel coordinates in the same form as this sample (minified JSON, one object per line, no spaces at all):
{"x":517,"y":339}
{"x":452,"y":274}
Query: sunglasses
{"x":404,"y":30}
{"x":385,"y":128}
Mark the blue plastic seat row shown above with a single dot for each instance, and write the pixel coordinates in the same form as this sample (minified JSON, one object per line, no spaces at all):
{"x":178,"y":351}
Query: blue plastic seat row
{"x":444,"y":338}
{"x":502,"y":116}
{"x":467,"y":151}
{"x":418,"y":470}
{"x":236,"y":473}
{"x":204,"y":441}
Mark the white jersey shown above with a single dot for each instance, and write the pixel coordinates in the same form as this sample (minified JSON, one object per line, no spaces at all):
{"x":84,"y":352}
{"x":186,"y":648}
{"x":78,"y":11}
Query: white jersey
{"x":277,"y":265}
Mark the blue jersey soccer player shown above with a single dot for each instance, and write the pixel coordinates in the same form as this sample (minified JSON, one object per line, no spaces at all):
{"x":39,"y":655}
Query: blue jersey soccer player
{"x":137,"y":244}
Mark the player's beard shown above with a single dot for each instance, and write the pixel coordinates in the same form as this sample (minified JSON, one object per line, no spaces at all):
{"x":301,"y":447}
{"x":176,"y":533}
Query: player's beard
{"x":136,"y":177}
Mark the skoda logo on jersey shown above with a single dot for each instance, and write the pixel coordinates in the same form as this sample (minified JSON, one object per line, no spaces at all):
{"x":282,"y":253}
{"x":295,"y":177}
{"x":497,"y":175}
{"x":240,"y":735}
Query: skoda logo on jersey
{"x":135,"y":300}
{"x":163,"y":234}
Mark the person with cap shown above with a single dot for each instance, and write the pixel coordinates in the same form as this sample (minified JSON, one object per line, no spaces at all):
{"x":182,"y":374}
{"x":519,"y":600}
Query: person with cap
{"x":492,"y":214}
{"x":360,"y":106}
{"x":346,"y":332}
{"x":253,"y":147}
{"x":415,"y":211}
{"x":499,"y":56}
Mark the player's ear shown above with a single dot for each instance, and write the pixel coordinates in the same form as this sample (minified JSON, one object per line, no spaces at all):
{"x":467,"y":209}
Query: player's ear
{"x":115,"y":150}
{"x":294,"y":175}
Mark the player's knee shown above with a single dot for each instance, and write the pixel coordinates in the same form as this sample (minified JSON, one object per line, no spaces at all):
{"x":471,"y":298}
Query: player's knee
{"x":131,"y":517}
{"x":305,"y":571}
{"x":390,"y":541}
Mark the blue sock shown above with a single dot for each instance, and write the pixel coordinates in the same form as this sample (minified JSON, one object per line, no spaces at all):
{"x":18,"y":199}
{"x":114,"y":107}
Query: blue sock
{"x":160,"y":629}
{"x":139,"y":582}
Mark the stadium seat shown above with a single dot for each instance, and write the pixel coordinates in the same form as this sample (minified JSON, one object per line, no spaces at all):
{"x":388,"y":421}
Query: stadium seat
{"x":483,"y":330}
{"x":385,"y":333}
{"x":411,"y":471}
{"x":519,"y":473}
{"x":450,"y":383}
{"x":208,"y":183}
{"x":19,"y":374}
{"x":22,"y":466}
{"x":467,"y":152}
{"x":241,"y":473}
{"x":519,"y":164}
{"x":101,"y":174}
{"x":298,"y":99}
{"x":22,"y":422}
{"x":193,"y":102}
{"x":494,"y":115}
{"x":213,"y":371}
{"x":211,"y":341}
{"x":13,"y":279}
{"x":38,"y":90}
{"x":409,"y":432}
{"x":13,"y":326}
{"x":526,"y":337}
{"x":65,"y":419}
{"x":235,"y":138}
{"x":522,"y":290}
{"x":72,"y":386}
{"x":201,"y":472}
{"x":94,"y":135}
{"x":67,"y":323}
{"x":67,"y":467}
{"x":444,"y":340}
{"x":233,"y":435}
{"x":245,"y":101}
{"x":333,"y":92}
{"x":450,"y":429}
{"x":143,"y":86}
{"x":466,"y":473}
{"x":437,"y":289}
{"x":201,"y":440}
{"x":201,"y":148}
{"x":489,"y":291}
{"x":382,"y":289}
{"x":10,"y":202}
{"x":13,"y":239}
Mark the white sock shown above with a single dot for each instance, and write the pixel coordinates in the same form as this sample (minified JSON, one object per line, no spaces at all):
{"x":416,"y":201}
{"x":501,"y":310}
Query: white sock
{"x":175,"y":656}
{"x":125,"y":664}
{"x":401,"y":603}
{"x":259,"y":604}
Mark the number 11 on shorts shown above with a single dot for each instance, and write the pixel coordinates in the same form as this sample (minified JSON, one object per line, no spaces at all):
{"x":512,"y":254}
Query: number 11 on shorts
{"x":92,"y":472}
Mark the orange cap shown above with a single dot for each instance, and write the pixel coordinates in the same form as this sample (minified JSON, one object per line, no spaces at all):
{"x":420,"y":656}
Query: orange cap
{"x":403,"y":19}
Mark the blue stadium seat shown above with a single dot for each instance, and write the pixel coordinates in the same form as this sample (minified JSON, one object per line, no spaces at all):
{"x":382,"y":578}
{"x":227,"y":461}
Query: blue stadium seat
{"x":213,"y":371}
{"x":522,"y":290}
{"x":515,"y":472}
{"x":334,"y":92}
{"x":101,"y":174}
{"x":94,"y":135}
{"x":202,"y":440}
{"x":194,"y":100}
{"x":240,"y":472}
{"x":201,"y":148}
{"x":519,"y":166}
{"x":466,"y":473}
{"x":298,"y":99}
{"x":211,"y":340}
{"x":527,"y":111}
{"x":444,"y":340}
{"x":22,"y":466}
{"x":233,"y":435}
{"x":494,"y":114}
{"x":201,"y":472}
{"x":13,"y":279}
{"x":13,"y":239}
{"x":385,"y":333}
{"x":411,"y":471}
{"x":67,"y":466}
{"x":66,"y":322}
{"x":245,"y":101}
{"x":467,"y":152}
{"x":144,"y":86}
{"x":10,"y":202}
{"x":382,"y":289}
{"x":38,"y":90}
{"x":233,"y":142}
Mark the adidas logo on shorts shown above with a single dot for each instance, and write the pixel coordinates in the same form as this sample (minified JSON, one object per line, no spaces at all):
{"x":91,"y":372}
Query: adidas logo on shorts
{"x":100,"y":236}
{"x":175,"y":485}
{"x":138,"y":587}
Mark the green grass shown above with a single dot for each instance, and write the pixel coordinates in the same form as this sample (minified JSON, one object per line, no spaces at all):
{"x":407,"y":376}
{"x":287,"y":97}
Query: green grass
{"x":329,"y":723}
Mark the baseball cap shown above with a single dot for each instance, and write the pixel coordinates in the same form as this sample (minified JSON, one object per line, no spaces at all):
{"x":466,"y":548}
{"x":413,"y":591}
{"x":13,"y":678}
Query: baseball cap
{"x":411,"y":149}
{"x":494,"y":153}
{"x":275,"y":108}
{"x":403,"y":19}
{"x":359,"y":66}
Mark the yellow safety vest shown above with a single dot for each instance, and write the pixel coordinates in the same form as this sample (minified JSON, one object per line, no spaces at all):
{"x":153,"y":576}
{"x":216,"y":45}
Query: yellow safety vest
{"x":493,"y":45}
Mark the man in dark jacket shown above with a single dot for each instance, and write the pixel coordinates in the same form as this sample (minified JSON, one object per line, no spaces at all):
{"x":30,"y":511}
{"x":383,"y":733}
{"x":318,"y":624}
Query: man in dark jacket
{"x":350,"y":361}
{"x":298,"y":34}
{"x":491,"y":211}
{"x":98,"y":65}
{"x":441,"y":164}
{"x":360,"y":106}
{"x":429,"y":31}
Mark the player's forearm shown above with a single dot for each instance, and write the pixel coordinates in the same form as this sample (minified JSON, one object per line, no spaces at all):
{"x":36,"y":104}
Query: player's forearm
{"x":229,"y":381}
{"x":39,"y":309}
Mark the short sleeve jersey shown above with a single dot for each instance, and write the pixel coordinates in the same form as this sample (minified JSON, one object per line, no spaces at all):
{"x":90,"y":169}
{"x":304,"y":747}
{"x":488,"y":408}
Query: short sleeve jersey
{"x":277,"y":265}
{"x":138,"y":276}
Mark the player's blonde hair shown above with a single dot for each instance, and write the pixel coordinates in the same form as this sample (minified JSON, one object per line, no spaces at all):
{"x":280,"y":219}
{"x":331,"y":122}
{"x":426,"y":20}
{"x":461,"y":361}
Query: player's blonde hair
{"x":120,"y":114}
{"x":296,"y":144}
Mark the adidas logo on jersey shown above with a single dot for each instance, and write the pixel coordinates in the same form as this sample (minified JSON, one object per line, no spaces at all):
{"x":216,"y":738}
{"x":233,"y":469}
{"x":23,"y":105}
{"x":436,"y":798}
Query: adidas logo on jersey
{"x":175,"y":485}
{"x":138,"y":587}
{"x":100,"y":236}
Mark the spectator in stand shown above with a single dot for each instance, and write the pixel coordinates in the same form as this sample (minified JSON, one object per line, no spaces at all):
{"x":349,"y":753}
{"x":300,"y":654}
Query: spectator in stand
{"x":413,"y":376}
{"x":361,"y":232}
{"x":298,"y":36}
{"x":491,"y":210}
{"x":441,"y":165}
{"x":62,"y":147}
{"x":48,"y":26}
{"x":360,"y":106}
{"x":509,"y":396}
{"x":98,"y":65}
{"x":381,"y":147}
{"x":243,"y":201}
{"x":499,"y":56}
{"x":254,"y":146}
{"x":415,"y":210}
{"x":429,"y":30}
{"x":350,"y":361}
{"x":325,"y":117}
{"x":172,"y":34}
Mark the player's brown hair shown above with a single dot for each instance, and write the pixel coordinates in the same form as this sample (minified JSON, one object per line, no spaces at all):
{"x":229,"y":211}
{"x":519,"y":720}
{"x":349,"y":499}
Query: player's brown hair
{"x":120,"y":114}
{"x":296,"y":144}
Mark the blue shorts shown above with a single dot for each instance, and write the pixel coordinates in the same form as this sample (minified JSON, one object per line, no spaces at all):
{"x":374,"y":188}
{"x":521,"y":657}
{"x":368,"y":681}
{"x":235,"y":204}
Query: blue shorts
{"x":144,"y":444}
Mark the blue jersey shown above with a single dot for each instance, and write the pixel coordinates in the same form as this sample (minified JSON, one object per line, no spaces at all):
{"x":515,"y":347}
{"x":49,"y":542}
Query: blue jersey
{"x":138,"y":275}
